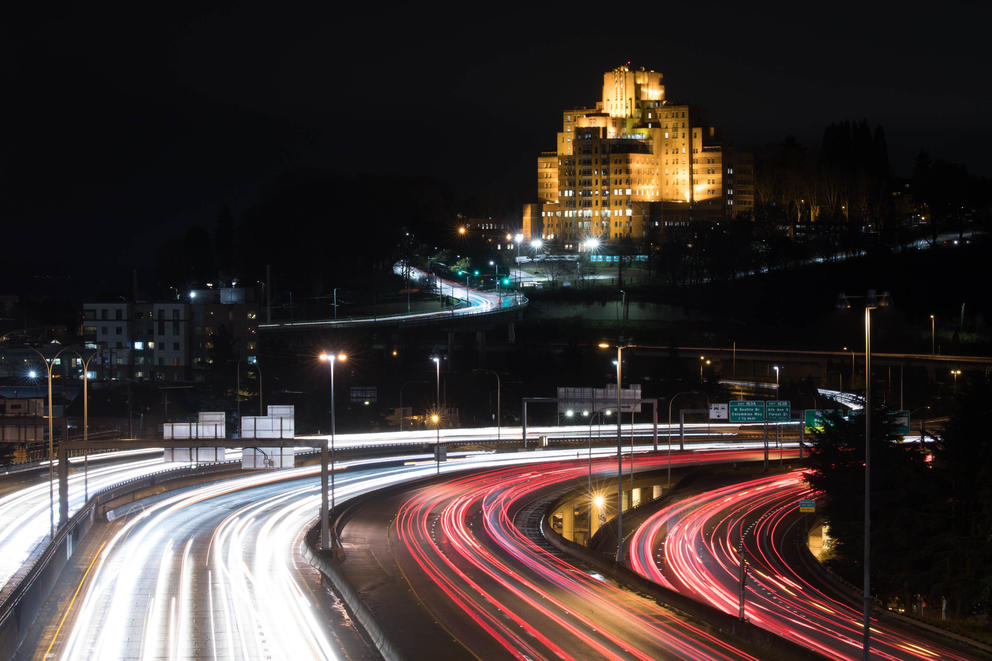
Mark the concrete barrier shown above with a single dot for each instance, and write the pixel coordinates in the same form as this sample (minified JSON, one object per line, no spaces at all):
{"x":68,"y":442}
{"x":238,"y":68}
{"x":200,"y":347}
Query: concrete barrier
{"x":21,"y":606}
{"x":771,"y":646}
{"x":324,"y":562}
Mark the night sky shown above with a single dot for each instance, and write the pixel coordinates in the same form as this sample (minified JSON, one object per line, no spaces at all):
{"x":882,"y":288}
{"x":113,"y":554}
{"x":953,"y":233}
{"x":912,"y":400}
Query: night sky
{"x":139,"y":122}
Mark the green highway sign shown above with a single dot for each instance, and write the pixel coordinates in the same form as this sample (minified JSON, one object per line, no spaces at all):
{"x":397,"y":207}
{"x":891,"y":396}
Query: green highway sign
{"x":778,"y":410}
{"x":816,"y":418}
{"x":901,"y":421}
{"x":807,"y":505}
{"x":747,"y":411}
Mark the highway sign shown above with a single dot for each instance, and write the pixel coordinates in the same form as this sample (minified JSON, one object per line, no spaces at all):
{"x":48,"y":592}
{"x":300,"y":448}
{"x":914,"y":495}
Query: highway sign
{"x":719,"y":412}
{"x":807,"y":505}
{"x":747,"y":411}
{"x":901,"y":421}
{"x":778,"y":410}
{"x":816,"y":418}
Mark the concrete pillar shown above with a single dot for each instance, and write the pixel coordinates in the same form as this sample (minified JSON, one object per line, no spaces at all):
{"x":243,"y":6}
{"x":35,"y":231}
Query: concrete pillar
{"x":656,"y":492}
{"x":594,"y":519}
{"x":635,"y":496}
{"x":626,"y":501}
{"x":568,"y":522}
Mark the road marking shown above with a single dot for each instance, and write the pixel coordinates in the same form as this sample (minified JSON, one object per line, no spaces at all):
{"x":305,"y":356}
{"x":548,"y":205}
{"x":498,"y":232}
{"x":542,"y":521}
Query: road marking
{"x":73,"y":600}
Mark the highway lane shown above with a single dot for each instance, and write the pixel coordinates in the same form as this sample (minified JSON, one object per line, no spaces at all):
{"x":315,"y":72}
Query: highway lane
{"x":216,"y":571}
{"x":24,"y":509}
{"x":691,"y":546}
{"x":500,"y":594}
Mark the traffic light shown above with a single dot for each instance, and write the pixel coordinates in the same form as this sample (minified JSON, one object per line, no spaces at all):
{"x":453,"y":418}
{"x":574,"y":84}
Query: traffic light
{"x":506,"y":281}
{"x":476,"y":273}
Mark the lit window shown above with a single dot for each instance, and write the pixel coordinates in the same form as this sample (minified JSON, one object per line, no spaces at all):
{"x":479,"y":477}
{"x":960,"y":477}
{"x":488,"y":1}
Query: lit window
{"x":139,"y":345}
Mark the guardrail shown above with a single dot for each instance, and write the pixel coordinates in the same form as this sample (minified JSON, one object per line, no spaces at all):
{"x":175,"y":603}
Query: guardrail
{"x":20,"y":607}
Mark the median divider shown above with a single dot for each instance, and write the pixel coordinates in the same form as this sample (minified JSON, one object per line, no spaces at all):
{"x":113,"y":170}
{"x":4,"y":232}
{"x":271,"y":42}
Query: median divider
{"x":324,"y":562}
{"x":22,"y":604}
{"x":771,"y":646}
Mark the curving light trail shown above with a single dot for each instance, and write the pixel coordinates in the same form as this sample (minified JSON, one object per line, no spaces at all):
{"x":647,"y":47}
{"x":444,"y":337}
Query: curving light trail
{"x":24,"y":520}
{"x":530,"y":602}
{"x":216,"y":571}
{"x":691,"y":546}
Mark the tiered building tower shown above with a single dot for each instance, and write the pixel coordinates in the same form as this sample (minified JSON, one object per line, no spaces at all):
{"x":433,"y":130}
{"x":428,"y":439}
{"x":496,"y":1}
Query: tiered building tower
{"x":631,"y":164}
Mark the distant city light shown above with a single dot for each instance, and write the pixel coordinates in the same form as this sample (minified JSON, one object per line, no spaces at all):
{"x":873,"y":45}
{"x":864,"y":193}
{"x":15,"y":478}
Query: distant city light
{"x":32,"y":374}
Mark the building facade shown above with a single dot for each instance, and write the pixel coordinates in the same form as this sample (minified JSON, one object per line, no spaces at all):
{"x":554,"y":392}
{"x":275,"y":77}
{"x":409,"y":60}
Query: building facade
{"x":171,"y":340}
{"x":630,"y":164}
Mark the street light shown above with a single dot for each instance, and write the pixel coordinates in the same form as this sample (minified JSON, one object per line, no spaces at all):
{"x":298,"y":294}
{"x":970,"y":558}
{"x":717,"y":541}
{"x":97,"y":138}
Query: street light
{"x":499,"y":389}
{"x":670,"y":402}
{"x":328,"y":540}
{"x":518,"y":239}
{"x":956,"y":374}
{"x":620,"y":348}
{"x":86,"y":421}
{"x":872,"y":301}
{"x":933,"y":335}
{"x":49,"y":366}
{"x":777,"y":369}
{"x":703,"y":361}
{"x":436,"y":419}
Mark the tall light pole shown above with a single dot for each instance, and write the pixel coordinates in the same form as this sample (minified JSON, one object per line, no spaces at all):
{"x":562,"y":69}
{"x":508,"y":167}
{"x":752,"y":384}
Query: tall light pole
{"x":620,"y":348}
{"x":933,"y":335}
{"x":436,"y":418}
{"x":867,"y":580}
{"x":49,"y":366}
{"x":871,"y":302}
{"x":86,"y":421}
{"x":777,"y":370}
{"x":331,"y":359}
{"x":498,"y":394}
{"x":670,"y":402}
{"x":518,"y":239}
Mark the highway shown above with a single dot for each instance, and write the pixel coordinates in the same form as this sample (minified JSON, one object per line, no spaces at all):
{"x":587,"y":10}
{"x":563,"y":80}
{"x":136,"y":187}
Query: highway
{"x":24,"y":506}
{"x":477,"y":302}
{"x":216,"y":571}
{"x":462,"y":567}
{"x":691,"y":546}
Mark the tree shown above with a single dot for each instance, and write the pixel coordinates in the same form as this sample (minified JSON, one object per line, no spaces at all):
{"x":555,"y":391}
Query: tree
{"x":931,"y":509}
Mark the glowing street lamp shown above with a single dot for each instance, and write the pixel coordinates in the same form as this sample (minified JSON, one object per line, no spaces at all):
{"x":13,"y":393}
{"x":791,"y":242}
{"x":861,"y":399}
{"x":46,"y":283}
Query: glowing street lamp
{"x":436,"y":419}
{"x":63,"y":515}
{"x":933,"y":335}
{"x":328,"y":540}
{"x":619,"y":363}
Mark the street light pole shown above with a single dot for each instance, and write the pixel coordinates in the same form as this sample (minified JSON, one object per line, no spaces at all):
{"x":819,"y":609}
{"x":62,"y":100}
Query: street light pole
{"x":933,"y":335}
{"x":86,"y":421}
{"x":49,"y":366}
{"x":867,"y":579}
{"x":670,"y":402}
{"x":498,"y":395}
{"x":619,"y":459}
{"x":332,"y":358}
{"x":436,"y":418}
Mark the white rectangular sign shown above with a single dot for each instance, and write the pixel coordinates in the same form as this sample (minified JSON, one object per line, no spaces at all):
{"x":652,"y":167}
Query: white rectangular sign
{"x":719,"y":411}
